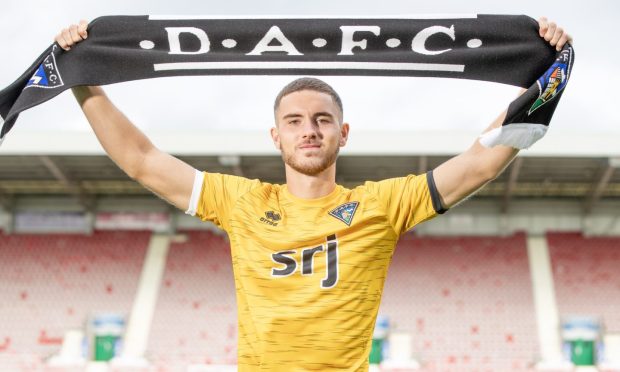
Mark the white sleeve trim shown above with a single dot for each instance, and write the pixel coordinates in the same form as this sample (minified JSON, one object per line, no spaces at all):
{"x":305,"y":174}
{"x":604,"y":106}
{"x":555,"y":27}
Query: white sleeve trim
{"x":196,"y":191}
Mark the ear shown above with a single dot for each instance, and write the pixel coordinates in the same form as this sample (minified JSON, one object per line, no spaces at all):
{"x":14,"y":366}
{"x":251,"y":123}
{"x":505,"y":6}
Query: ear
{"x":344,"y":134}
{"x":275,"y":136}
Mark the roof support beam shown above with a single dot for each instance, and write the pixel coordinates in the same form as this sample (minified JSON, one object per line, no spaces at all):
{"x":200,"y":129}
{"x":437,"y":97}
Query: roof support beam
{"x":237,"y":170}
{"x":7,"y":201}
{"x":233,"y":161}
{"x":602,"y":183}
{"x":72,"y":186}
{"x":515,"y":169}
{"x":422,"y":164}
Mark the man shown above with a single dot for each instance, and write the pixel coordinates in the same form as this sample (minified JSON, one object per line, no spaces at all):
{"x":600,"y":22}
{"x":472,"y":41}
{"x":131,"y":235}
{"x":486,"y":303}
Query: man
{"x":310,"y":257}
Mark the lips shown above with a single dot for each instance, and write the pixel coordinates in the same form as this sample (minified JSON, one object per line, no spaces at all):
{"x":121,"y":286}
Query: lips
{"x":310,"y":146}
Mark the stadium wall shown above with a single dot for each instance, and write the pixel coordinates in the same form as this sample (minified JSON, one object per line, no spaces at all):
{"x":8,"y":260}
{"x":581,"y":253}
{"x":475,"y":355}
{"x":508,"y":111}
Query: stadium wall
{"x":473,"y":217}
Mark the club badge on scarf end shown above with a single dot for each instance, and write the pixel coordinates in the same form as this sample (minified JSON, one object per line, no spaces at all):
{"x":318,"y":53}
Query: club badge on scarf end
{"x":529,"y":115}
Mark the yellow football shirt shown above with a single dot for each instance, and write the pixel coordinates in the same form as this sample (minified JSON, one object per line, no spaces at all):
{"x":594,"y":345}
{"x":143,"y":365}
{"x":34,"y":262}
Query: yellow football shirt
{"x":309,"y":274}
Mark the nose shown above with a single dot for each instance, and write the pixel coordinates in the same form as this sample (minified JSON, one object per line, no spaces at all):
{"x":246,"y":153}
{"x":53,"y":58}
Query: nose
{"x":310,"y":129}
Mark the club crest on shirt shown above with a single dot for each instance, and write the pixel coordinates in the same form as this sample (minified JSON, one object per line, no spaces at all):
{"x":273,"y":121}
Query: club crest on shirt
{"x":345,"y":212}
{"x":47,"y":75}
{"x":552,"y":81}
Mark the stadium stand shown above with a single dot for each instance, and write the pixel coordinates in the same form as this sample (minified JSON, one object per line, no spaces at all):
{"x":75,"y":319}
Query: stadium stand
{"x":52,"y":283}
{"x":467,"y":301}
{"x":586,"y":276}
{"x":195,"y":320}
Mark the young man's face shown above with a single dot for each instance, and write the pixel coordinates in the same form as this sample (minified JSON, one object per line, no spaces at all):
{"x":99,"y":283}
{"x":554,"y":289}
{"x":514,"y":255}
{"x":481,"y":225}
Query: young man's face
{"x":308,"y":131}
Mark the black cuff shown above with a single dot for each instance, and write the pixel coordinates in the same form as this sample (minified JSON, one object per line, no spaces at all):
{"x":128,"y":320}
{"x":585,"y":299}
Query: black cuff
{"x":434,"y":194}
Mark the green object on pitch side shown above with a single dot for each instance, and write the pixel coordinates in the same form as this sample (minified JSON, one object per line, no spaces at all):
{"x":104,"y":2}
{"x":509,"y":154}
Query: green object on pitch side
{"x":104,"y":347}
{"x":376,"y":352}
{"x":582,"y":352}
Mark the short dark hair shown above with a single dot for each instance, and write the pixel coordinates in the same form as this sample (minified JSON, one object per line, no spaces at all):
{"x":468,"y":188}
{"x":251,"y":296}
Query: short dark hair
{"x":308,"y":83}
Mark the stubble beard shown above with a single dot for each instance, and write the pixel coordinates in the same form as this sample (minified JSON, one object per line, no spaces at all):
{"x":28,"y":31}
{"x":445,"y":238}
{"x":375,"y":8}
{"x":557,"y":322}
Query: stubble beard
{"x":312,"y":167}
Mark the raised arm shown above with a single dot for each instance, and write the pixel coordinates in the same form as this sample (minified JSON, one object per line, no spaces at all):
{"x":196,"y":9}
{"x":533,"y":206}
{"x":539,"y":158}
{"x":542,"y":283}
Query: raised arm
{"x":463,"y":175}
{"x":163,"y":174}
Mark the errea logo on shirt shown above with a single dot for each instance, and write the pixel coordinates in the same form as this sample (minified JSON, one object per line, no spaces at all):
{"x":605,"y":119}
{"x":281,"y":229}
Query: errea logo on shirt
{"x":271,"y":218}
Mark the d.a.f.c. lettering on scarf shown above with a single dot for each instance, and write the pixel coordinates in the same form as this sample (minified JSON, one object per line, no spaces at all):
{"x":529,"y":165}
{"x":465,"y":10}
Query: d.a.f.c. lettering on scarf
{"x":497,"y":48}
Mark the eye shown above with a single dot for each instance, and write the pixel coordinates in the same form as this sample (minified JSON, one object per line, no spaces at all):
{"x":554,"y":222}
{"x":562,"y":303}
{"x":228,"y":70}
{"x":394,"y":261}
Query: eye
{"x":294,"y":121}
{"x":324,"y":120}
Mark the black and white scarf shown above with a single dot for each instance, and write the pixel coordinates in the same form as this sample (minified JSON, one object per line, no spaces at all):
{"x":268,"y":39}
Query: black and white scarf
{"x":497,"y":48}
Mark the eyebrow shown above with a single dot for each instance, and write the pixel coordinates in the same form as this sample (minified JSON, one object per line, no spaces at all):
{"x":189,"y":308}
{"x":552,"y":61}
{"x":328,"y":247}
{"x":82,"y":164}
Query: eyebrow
{"x":296,"y":115}
{"x":323,"y":114}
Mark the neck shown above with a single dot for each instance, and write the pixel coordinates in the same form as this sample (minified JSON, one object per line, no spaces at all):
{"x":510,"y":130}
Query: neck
{"x":311,"y":187}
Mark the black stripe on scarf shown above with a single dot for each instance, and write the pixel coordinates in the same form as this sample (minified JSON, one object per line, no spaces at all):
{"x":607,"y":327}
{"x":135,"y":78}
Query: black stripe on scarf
{"x":497,"y":48}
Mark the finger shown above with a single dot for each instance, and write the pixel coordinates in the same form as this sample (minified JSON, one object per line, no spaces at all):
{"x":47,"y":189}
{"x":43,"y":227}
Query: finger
{"x":61,"y":41}
{"x":82,"y":27}
{"x":66,"y":34}
{"x":563,"y":40}
{"x":543,"y":25}
{"x":550,"y":31}
{"x":75,"y":36}
{"x":556,"y":36}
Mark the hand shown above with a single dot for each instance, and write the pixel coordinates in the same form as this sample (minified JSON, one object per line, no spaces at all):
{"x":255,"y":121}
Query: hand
{"x":555,"y":35}
{"x":72,"y":35}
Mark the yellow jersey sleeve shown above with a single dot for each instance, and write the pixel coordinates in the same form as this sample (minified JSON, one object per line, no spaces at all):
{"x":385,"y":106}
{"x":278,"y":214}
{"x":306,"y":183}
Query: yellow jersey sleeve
{"x":408,"y":200}
{"x":219,"y":194}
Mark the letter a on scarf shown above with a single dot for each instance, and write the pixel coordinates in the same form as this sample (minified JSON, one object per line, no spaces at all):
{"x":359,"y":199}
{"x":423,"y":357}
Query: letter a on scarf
{"x":496,"y":48}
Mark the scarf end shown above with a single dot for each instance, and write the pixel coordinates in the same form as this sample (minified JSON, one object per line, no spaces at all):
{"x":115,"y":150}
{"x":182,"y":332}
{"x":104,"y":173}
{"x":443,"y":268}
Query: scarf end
{"x":520,"y":136}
